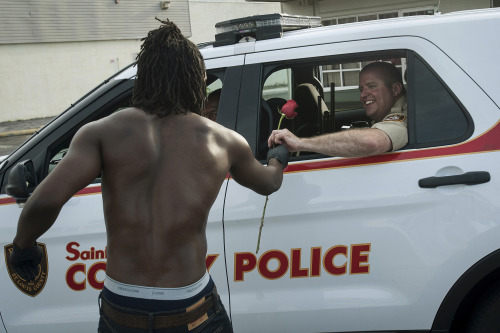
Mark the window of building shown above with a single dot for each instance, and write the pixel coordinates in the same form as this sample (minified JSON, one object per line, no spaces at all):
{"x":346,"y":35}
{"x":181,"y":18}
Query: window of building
{"x":381,"y":15}
{"x":345,"y":75}
{"x":387,"y":15}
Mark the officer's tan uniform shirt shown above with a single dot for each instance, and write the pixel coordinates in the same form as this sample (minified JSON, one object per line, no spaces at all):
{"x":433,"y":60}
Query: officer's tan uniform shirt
{"x":395,"y":124}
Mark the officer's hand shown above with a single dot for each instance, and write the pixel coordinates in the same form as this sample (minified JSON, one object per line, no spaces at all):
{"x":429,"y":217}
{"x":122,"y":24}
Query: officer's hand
{"x":280,"y":153}
{"x":286,"y":138}
{"x":26,"y":262}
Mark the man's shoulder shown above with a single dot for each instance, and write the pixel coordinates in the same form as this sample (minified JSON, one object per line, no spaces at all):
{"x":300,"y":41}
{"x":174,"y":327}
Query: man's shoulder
{"x":400,"y":106}
{"x":216,"y":128}
{"x":126,"y":114}
{"x":106,"y":126}
{"x":225,"y":137}
{"x":122,"y":118}
{"x":398,"y":113}
{"x":231,"y":135}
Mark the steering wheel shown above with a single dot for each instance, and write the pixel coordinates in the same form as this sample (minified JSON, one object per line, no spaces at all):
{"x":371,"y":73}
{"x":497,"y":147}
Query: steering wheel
{"x":266,"y":110}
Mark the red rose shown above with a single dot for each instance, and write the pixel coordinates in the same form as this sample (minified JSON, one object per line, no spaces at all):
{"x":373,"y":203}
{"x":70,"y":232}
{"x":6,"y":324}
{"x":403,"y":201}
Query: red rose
{"x":289,"y":109}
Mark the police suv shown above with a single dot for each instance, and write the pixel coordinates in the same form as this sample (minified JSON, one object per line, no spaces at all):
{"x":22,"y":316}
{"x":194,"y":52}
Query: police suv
{"x":407,"y":241}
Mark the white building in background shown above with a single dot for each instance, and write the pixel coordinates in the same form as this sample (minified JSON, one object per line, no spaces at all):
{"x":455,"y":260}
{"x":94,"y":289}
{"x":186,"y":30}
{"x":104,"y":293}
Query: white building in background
{"x":205,"y":14}
{"x":53,"y":52}
{"x":346,"y":11}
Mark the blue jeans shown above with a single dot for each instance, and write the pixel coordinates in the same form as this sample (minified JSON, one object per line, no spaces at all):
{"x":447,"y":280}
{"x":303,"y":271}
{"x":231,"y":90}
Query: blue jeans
{"x":217,"y":321}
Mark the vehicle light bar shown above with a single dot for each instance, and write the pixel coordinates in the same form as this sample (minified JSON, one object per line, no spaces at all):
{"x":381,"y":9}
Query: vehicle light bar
{"x":260,"y":27}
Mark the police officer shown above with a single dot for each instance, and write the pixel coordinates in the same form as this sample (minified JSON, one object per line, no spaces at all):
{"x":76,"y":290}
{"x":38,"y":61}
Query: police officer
{"x":384,"y":99}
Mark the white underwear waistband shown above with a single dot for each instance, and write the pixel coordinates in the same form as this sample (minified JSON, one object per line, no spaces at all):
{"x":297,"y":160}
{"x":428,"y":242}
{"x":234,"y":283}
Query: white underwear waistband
{"x":164,"y":294}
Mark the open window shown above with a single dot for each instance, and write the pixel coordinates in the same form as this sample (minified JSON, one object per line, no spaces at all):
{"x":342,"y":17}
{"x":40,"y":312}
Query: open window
{"x":214,"y":91}
{"x":327,"y":92}
{"x":58,"y":149}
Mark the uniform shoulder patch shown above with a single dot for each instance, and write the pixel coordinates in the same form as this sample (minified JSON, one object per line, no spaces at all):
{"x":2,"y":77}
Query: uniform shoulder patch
{"x":395,"y":117}
{"x":32,"y":288}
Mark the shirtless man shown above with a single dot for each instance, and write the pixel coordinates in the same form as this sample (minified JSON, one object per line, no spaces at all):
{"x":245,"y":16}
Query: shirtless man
{"x":162,"y":167}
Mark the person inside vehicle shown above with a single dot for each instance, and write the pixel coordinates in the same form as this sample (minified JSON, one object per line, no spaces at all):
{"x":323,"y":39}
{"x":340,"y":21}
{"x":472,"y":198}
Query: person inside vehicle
{"x":162,"y":168}
{"x":384,"y":99}
{"x":212,"y":105}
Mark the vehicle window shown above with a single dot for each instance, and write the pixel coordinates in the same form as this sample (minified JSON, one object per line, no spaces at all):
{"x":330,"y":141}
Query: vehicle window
{"x":213,"y":86}
{"x":57,"y":158}
{"x":278,"y":85}
{"x":344,"y":77}
{"x":328,"y":96}
{"x":58,"y":150}
{"x":439,"y":118}
{"x":214,"y":90}
{"x":311,"y":85}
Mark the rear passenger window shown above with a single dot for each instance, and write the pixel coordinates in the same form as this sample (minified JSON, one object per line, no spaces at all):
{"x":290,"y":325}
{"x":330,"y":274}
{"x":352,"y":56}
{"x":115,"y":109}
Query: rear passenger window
{"x":439,"y":118}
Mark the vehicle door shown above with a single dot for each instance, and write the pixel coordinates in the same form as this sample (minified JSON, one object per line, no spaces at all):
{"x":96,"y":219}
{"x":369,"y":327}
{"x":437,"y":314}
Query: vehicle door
{"x":64,"y":295}
{"x":364,"y":244}
{"x":65,"y":298}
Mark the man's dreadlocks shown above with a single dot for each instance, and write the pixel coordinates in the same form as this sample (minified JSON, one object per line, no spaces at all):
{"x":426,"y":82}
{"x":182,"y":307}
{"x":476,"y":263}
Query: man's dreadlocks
{"x":170,"y":73}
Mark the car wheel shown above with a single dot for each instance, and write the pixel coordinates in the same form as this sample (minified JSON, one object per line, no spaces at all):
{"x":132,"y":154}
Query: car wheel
{"x":485,"y":316}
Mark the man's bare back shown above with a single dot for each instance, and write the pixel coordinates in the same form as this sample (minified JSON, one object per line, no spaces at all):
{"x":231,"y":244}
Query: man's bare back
{"x":162,"y":200}
{"x":162,"y":166}
{"x":160,"y":177}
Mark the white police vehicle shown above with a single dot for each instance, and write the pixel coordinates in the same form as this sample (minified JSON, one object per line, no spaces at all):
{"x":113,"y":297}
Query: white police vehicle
{"x":402,"y":242}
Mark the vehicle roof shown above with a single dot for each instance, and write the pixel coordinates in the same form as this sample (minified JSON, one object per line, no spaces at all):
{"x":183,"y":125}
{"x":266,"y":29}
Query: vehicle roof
{"x":426,"y":26}
{"x":457,"y":34}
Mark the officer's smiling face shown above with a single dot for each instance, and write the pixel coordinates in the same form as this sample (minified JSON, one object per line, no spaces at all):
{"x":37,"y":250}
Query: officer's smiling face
{"x":377,"y":98}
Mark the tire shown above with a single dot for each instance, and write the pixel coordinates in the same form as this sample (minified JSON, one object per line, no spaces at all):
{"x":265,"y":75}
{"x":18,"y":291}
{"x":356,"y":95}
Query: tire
{"x":485,"y":317}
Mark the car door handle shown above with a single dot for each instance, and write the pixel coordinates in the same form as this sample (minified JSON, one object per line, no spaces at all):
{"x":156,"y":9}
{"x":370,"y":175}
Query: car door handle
{"x":469,"y":178}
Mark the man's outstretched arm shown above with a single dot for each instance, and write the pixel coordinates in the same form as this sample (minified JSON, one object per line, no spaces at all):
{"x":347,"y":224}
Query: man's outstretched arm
{"x":77,"y":169}
{"x":349,"y":143}
{"x":249,"y":172}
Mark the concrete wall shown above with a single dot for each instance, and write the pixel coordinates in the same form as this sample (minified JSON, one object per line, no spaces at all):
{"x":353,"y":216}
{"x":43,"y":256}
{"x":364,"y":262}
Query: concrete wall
{"x":447,"y":6}
{"x":205,"y":13}
{"x":339,"y":8}
{"x":42,"y":21}
{"x":43,"y":79}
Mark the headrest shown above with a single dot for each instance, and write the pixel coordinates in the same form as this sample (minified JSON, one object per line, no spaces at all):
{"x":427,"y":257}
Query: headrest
{"x":306,"y":95}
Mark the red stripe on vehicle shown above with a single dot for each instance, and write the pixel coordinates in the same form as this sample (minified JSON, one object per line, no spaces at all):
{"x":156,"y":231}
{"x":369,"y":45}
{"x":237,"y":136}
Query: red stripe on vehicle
{"x":7,"y":201}
{"x":89,"y":190}
{"x":487,"y":142}
{"x":85,"y":191}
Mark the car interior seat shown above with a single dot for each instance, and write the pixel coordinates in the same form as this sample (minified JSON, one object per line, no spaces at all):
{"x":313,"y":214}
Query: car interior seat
{"x":311,"y":110}
{"x":305,"y":74}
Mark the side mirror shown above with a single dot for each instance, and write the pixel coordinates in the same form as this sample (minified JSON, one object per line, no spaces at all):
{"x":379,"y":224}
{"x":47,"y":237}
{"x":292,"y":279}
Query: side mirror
{"x":21,"y":181}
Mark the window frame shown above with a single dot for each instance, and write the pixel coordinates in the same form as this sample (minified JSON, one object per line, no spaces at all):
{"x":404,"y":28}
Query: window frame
{"x":409,"y":56}
{"x":411,"y":104}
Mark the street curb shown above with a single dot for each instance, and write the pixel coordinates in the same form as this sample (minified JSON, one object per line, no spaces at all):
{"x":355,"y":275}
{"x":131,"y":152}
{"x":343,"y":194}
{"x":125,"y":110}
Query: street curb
{"x":28,"y":131}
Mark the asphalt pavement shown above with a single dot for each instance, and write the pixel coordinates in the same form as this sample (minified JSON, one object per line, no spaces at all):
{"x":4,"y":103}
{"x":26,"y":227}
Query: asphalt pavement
{"x":14,"y":133}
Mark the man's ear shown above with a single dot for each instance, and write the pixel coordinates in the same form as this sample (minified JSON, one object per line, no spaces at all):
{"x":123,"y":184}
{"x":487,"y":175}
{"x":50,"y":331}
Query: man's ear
{"x":397,"y":87}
